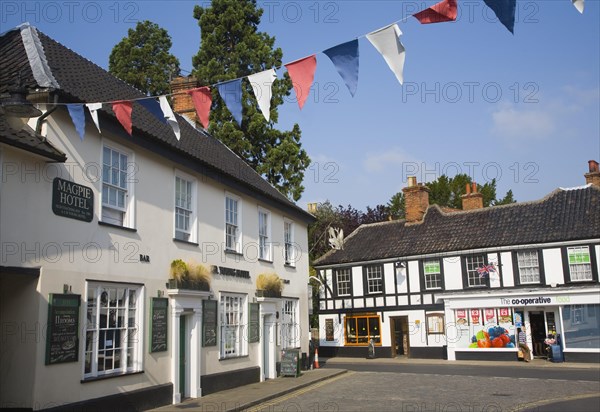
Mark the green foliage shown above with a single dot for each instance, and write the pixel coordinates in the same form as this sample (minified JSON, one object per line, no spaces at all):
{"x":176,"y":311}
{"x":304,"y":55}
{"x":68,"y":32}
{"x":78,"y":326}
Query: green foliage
{"x":506,"y":200}
{"x":397,"y":206}
{"x":232,"y":47}
{"x":142,"y":59}
{"x":448,"y":191}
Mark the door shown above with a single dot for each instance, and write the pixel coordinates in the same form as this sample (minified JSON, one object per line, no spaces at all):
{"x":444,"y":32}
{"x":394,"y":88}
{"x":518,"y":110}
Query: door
{"x":266,"y":347}
{"x":182,"y":355}
{"x":399,"y":335}
{"x":538,"y":332}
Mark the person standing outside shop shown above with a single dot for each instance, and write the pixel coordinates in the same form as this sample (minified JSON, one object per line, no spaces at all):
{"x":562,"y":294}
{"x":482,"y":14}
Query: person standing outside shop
{"x":522,"y":339}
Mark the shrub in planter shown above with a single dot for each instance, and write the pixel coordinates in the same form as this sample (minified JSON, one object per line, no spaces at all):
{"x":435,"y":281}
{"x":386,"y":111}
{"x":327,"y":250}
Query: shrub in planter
{"x":199,"y":276}
{"x":269,"y":285}
{"x":178,"y":275}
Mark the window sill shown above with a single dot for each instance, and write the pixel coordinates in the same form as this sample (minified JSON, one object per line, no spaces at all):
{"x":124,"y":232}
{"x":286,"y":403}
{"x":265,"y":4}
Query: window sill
{"x":109,"y":376}
{"x":234,"y":357}
{"x":233,"y":252}
{"x":127,"y":229}
{"x":265,"y":261}
{"x":289,"y":265}
{"x":187,"y":242}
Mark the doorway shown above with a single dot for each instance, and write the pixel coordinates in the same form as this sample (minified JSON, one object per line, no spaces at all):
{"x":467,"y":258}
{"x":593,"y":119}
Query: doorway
{"x":399,"y":335}
{"x":184,"y":355}
{"x":268,"y":347}
{"x":538,"y":332}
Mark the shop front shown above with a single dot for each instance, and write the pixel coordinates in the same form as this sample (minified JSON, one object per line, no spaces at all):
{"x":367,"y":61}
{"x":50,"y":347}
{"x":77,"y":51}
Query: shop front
{"x":484,"y":327}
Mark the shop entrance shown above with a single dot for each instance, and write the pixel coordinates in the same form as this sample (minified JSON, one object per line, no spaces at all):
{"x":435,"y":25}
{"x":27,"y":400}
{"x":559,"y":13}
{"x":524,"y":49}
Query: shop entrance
{"x":399,"y":334}
{"x":538,"y":332}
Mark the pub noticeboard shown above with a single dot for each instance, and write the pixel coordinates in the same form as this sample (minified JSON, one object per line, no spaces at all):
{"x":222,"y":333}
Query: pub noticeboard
{"x":62,"y":337}
{"x":254,"y":329}
{"x":289,"y":362}
{"x":329,"y":330}
{"x":209,"y":323}
{"x":158,"y":324}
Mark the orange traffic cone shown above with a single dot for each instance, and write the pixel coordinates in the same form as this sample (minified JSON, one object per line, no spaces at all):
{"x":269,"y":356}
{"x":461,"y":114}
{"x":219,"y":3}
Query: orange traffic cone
{"x":316,"y":358}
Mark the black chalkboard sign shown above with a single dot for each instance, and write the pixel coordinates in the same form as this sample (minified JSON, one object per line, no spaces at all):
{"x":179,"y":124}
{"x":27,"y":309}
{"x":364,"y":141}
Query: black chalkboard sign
{"x":62,"y":337}
{"x":158,"y":324}
{"x":254,"y":324}
{"x":209,"y":323}
{"x":289,"y":362}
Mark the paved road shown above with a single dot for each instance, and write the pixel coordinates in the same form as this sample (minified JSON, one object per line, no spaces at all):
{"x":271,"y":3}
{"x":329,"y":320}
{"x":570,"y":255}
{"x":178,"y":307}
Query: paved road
{"x":446,"y":388}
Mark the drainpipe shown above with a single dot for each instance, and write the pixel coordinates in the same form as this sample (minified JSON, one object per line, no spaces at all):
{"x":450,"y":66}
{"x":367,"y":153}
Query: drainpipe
{"x":43,"y":117}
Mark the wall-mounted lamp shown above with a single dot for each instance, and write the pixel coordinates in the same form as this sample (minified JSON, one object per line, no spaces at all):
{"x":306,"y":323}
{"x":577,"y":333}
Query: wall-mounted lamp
{"x":67,"y":289}
{"x":160,"y":293}
{"x":400,"y":265}
{"x":16,"y":104}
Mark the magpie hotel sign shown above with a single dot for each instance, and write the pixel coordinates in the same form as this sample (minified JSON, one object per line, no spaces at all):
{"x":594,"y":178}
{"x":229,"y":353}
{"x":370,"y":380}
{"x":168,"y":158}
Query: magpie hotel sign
{"x":72,"y":200}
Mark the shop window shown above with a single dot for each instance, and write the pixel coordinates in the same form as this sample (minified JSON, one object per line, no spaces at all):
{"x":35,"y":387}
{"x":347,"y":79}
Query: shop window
{"x":580,"y":264}
{"x":361,"y":329}
{"x":581,"y":326}
{"x":528,"y":265}
{"x":373,"y":279}
{"x":432,"y":273}
{"x":233,"y":343}
{"x":343,"y":281}
{"x":113,"y":340}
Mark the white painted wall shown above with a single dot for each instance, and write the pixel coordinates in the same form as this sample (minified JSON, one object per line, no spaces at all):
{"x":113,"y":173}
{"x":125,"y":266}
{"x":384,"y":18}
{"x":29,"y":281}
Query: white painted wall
{"x":553,"y":266}
{"x":452,"y":273}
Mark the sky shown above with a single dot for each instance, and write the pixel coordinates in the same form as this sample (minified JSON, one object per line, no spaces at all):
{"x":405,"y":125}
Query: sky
{"x":476,"y":99}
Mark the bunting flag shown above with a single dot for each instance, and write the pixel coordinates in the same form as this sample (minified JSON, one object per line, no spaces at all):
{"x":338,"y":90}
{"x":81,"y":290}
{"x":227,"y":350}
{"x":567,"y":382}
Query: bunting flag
{"x":231,"y":93}
{"x":169,"y":116}
{"x":262,"y":87}
{"x":153,"y":107}
{"x":345,"y":59}
{"x":302,"y":73}
{"x":505,"y":11}
{"x":579,"y":5}
{"x":202,"y":99}
{"x":387,"y":42}
{"x":78,"y":117}
{"x":123,"y":109}
{"x":93,"y":108}
{"x":443,"y":11}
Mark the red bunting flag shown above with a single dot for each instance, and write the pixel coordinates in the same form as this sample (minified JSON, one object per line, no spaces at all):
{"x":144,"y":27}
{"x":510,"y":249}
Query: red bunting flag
{"x":302,"y":73}
{"x":123,"y":109}
{"x":438,"y":13}
{"x":202,"y":99}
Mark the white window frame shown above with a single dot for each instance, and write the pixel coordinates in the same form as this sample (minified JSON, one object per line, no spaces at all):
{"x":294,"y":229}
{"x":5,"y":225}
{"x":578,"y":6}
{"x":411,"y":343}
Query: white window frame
{"x":290,"y":327}
{"x":264,"y":234}
{"x":98,"y":331}
{"x":344,"y":285}
{"x":529,"y":267}
{"x":289,"y":253}
{"x":233,"y":223}
{"x":374,"y":283}
{"x":579,"y":271}
{"x":192,"y":231}
{"x":432,"y":280}
{"x":472,"y":263}
{"x":127,"y":212}
{"x":233,"y":315}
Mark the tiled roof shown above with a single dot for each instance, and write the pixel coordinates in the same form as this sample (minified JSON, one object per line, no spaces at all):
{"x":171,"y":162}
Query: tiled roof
{"x":563,"y":215}
{"x":80,"y":80}
{"x":29,"y":141}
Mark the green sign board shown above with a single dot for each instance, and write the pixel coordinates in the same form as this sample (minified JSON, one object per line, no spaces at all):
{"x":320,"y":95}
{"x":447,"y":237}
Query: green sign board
{"x":290,"y":360}
{"x":209,"y":323}
{"x":159,"y":308}
{"x":62,"y":336}
{"x":254,"y":326}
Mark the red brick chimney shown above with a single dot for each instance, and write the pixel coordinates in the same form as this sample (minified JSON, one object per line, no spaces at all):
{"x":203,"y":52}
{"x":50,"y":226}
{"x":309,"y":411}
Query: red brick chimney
{"x":416,"y":198}
{"x":472,"y":199}
{"x":593,"y":176}
{"x":182,"y":102}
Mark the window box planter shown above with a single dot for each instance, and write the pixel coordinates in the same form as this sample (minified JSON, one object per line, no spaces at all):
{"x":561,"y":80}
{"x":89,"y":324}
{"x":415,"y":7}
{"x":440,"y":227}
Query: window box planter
{"x":265,"y":293}
{"x":188,"y":284}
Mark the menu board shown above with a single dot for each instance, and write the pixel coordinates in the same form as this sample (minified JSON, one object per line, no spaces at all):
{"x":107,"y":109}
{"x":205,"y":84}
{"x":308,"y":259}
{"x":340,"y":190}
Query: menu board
{"x":289,"y":362}
{"x":254,"y":326}
{"x":62,"y":338}
{"x":158,"y":324}
{"x":209,"y":323}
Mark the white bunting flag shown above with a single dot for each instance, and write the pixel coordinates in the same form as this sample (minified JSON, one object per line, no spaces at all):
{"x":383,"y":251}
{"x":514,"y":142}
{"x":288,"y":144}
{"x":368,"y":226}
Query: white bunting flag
{"x":93,"y":108}
{"x":169,"y":115}
{"x":261,"y":85}
{"x":579,"y":5}
{"x":387,"y":43}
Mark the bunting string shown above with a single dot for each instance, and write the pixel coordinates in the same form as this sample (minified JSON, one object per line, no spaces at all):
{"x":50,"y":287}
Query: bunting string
{"x":345,"y":58}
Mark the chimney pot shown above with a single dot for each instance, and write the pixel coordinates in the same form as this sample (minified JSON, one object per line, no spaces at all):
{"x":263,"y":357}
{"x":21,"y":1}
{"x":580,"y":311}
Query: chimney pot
{"x":593,"y":166}
{"x":593,"y":176}
{"x":474,"y":188}
{"x":468,"y":191}
{"x":412,"y":181}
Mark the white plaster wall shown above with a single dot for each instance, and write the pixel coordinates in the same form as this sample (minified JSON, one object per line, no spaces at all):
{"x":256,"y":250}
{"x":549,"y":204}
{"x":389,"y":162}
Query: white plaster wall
{"x":389,"y":278}
{"x":507,"y":269}
{"x":413,"y":274}
{"x":357,"y":281}
{"x":452,"y":273}
{"x":553,"y":266}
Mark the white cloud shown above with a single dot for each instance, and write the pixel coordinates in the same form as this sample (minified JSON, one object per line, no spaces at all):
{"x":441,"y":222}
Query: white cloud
{"x":379,"y":162}
{"x":511,"y":123}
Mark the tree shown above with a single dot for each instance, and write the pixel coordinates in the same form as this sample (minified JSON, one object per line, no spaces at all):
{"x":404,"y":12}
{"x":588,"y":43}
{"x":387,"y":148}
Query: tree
{"x":397,"y":206}
{"x":232,"y":47}
{"x":506,"y":200}
{"x":142,"y":59}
